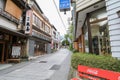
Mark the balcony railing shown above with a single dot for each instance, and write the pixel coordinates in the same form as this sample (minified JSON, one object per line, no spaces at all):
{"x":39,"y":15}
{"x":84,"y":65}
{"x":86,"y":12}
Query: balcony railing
{"x":8,"y":16}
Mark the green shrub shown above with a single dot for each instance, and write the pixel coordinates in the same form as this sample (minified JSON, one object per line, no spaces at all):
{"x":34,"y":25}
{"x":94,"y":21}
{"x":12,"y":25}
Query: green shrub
{"x":96,"y":61}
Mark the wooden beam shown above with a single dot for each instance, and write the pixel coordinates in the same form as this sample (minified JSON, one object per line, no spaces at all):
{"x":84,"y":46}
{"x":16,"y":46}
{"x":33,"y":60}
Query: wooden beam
{"x":98,"y":20}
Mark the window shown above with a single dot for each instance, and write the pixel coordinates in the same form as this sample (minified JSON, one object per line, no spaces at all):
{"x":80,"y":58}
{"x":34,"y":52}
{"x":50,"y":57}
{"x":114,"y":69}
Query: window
{"x":43,"y":26}
{"x":47,"y":29}
{"x":100,"y":32}
{"x":37,"y":21}
{"x":34,"y":17}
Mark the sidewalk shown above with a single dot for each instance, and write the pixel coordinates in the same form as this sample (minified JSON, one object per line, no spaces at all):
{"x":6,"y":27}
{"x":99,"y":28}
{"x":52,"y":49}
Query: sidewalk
{"x":54,"y":67}
{"x":4,"y":66}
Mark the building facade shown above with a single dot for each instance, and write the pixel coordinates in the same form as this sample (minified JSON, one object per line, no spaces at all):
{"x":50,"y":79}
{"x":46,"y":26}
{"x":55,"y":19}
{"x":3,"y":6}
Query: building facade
{"x":12,"y":37}
{"x":38,"y":28}
{"x":55,"y":44}
{"x":97,"y":27}
{"x":25,"y":31}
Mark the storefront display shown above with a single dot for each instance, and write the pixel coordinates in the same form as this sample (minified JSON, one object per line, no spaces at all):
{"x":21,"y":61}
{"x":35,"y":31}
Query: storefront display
{"x":100,"y":32}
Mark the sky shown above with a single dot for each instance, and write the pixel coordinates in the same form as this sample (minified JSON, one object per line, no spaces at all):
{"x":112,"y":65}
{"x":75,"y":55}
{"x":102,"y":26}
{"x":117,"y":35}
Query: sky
{"x":50,"y":11}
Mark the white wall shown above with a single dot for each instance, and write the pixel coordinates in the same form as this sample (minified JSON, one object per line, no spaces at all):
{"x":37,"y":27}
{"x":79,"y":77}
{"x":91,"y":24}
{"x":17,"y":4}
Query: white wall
{"x":81,"y":4}
{"x":8,"y":24}
{"x":113,"y":6}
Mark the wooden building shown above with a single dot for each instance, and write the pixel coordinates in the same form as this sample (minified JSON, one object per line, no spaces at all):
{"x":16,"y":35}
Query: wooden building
{"x":38,"y":28}
{"x":11,"y":29}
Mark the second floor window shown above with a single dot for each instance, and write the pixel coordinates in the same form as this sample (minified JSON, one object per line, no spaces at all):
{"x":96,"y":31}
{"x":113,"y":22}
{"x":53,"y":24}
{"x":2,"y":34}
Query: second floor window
{"x":37,"y":21}
{"x":47,"y":29}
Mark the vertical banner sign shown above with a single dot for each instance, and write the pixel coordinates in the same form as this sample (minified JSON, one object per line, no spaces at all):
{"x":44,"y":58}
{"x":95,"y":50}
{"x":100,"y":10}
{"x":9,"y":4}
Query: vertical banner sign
{"x":28,"y":23}
{"x":64,"y":5}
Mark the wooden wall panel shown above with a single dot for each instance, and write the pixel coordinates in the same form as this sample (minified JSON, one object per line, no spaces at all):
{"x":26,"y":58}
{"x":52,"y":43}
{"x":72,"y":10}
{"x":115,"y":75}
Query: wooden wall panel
{"x":13,"y":9}
{"x":76,"y":46}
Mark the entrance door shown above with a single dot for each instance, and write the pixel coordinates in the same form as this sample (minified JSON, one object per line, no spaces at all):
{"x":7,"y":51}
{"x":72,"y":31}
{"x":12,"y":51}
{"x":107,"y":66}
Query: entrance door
{"x":2,"y":46}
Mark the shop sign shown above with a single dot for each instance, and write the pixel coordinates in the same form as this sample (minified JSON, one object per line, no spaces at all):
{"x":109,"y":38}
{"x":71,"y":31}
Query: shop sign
{"x":64,"y":5}
{"x":106,"y":74}
{"x":28,"y":23}
{"x":16,"y":51}
{"x":40,"y":36}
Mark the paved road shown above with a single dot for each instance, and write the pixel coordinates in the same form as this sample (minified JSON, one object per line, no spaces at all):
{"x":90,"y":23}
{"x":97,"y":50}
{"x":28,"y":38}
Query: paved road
{"x":49,"y":67}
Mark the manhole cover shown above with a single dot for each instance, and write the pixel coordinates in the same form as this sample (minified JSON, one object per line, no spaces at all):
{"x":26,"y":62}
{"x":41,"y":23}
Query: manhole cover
{"x":55,"y":67}
{"x":43,"y":62}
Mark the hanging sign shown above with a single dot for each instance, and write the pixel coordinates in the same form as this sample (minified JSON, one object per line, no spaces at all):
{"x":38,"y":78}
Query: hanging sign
{"x":64,"y":5}
{"x":28,"y":23}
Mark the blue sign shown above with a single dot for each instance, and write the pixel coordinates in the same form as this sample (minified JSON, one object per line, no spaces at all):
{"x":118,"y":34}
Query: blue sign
{"x":64,"y":4}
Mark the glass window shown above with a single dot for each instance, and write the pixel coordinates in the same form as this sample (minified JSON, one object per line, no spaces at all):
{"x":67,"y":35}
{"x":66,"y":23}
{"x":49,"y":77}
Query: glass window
{"x":86,"y":37}
{"x":34,"y":19}
{"x":100,"y":32}
{"x":43,"y":26}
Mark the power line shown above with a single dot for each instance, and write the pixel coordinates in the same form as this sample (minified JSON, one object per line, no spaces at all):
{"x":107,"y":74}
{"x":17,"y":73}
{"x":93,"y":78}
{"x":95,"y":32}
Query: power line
{"x":59,"y":14}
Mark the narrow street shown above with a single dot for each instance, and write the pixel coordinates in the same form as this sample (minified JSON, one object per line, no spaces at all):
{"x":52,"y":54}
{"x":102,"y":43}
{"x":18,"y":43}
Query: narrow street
{"x":54,"y":66}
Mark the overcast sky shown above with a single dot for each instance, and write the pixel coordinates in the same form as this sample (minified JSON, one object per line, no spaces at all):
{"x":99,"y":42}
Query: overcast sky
{"x":50,"y":11}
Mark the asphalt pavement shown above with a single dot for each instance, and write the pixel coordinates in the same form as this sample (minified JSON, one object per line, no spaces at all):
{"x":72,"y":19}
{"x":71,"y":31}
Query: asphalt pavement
{"x":54,"y":66}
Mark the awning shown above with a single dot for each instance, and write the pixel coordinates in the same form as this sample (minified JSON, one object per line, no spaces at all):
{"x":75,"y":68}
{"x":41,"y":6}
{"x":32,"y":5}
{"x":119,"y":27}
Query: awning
{"x":11,"y":32}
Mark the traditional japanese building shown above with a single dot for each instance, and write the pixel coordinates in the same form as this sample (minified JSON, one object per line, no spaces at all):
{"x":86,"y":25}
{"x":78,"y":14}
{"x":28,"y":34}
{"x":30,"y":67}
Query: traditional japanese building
{"x":55,"y":44}
{"x":12,"y":37}
{"x":38,"y":28}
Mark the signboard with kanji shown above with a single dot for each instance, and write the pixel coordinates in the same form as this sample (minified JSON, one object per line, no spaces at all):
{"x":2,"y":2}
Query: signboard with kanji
{"x":64,"y":5}
{"x":28,"y":23}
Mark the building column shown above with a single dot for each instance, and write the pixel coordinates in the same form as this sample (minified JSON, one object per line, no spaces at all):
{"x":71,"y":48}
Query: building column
{"x":83,"y":43}
{"x":30,"y":47}
{"x":76,"y":46}
{"x":113,"y":6}
{"x":48,"y":46}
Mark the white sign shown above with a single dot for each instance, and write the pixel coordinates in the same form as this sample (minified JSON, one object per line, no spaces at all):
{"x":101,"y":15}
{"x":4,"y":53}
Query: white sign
{"x":28,"y":22}
{"x":16,"y":50}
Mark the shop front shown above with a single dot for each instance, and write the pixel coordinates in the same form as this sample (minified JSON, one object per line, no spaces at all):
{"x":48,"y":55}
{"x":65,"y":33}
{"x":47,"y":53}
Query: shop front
{"x":40,"y":48}
{"x":96,"y":33}
{"x":38,"y":44}
{"x":92,"y":30}
{"x":11,"y":44}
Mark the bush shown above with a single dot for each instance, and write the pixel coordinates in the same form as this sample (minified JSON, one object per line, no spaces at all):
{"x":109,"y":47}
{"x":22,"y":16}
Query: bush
{"x":71,"y":47}
{"x":96,"y":61}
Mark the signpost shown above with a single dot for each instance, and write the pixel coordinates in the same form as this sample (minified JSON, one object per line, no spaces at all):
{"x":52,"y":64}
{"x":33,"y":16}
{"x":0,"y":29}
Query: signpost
{"x":28,"y":23}
{"x":64,"y":5}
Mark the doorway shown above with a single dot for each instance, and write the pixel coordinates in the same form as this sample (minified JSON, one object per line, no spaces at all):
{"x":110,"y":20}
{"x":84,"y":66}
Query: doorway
{"x":2,"y":47}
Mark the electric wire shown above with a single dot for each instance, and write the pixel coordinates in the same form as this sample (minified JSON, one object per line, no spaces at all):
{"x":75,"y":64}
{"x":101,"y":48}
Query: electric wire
{"x":59,"y":15}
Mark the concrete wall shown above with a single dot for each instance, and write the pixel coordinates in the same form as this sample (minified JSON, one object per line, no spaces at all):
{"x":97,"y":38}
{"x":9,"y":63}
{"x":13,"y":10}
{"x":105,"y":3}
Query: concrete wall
{"x":113,"y":6}
{"x":31,"y":47}
{"x":48,"y":46}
